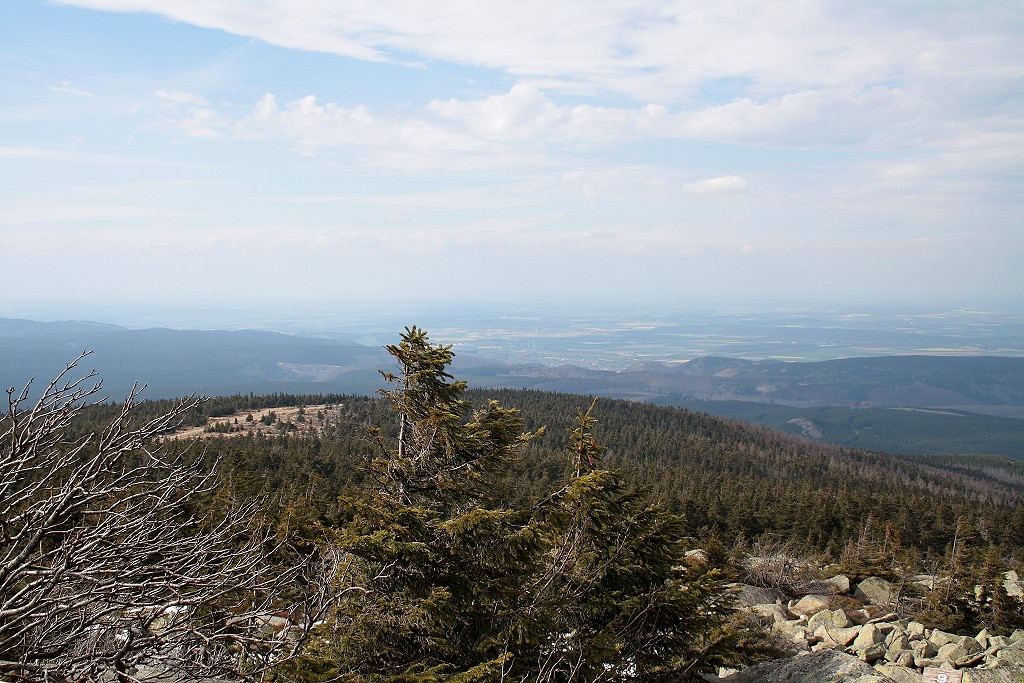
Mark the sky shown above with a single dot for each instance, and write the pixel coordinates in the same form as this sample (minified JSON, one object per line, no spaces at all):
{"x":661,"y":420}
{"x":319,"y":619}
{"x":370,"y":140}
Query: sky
{"x":279,"y":151}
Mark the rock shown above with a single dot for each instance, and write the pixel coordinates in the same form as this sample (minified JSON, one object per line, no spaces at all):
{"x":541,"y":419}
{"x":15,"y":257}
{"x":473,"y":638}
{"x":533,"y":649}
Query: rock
{"x":923,"y":650}
{"x":939,"y":638}
{"x":952,"y":652}
{"x":835,"y":618}
{"x":900,"y":657}
{"x":938,"y":663}
{"x":997,"y":642}
{"x":775,"y":612}
{"x":1001,"y":675}
{"x":837,"y":637}
{"x":1012,"y":585}
{"x":874,"y":590}
{"x":756,"y":595}
{"x":872,"y":653}
{"x":869,"y":635}
{"x":1011,"y":655}
{"x":824,"y":666}
{"x":840,"y":582}
{"x":886,"y":627}
{"x":915,"y":629}
{"x":897,"y":640}
{"x":970,"y":660}
{"x":868,"y":613}
{"x":1017,"y":636}
{"x":982,"y":638}
{"x":970,"y":644}
{"x":899,"y":673}
{"x":810,"y":604}
{"x":835,"y":585}
{"x":793,"y":631}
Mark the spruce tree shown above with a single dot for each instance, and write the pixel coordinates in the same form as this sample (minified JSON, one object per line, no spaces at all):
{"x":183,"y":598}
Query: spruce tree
{"x":446,"y":582}
{"x":441,"y":561}
{"x":622,"y":604}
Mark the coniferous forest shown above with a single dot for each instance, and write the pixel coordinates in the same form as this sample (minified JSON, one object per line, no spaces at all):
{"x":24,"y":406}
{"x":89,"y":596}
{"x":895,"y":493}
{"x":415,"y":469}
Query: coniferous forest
{"x":439,"y":533}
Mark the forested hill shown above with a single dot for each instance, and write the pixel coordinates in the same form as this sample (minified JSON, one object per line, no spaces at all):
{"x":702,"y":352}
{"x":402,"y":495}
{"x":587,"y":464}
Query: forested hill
{"x":737,"y":478}
{"x":730,"y":478}
{"x":906,"y":404}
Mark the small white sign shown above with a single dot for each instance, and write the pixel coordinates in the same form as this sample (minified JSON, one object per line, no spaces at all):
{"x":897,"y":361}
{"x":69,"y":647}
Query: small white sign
{"x":933,"y":675}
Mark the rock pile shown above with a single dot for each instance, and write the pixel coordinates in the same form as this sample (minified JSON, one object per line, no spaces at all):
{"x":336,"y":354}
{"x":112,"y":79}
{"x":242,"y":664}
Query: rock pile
{"x":873,"y":643}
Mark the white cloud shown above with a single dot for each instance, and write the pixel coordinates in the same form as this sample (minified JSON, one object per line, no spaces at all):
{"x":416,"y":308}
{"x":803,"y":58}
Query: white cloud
{"x":521,"y":113}
{"x":179,"y":97}
{"x":723,"y":184}
{"x":66,"y":87}
{"x":650,"y":49}
{"x":524,"y":125}
{"x":201,"y":122}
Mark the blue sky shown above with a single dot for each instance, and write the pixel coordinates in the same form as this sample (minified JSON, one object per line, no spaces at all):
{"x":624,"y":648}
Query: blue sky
{"x":321,"y":150}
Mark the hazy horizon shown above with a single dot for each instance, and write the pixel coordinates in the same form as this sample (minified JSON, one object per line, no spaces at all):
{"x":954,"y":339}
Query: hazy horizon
{"x":605,"y":336}
{"x":177,"y":154}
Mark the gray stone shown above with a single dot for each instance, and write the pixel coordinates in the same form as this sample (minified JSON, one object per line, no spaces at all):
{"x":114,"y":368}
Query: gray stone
{"x":810,"y":604}
{"x":970,"y":644}
{"x":905,"y":658}
{"x":874,"y":590}
{"x":1008,"y":674}
{"x":840,"y":583}
{"x":824,"y":666}
{"x":970,"y":660}
{"x":897,"y":640}
{"x":837,"y":637}
{"x":952,"y":652}
{"x":939,"y":638}
{"x":923,"y":649}
{"x":937,"y":663}
{"x":869,"y":635}
{"x":872,"y":653}
{"x":1011,"y":655}
{"x":1017,"y":635}
{"x":1012,"y":585}
{"x":915,"y":629}
{"x":835,"y":618}
{"x":774,"y":612}
{"x":982,"y":637}
{"x":793,"y":631}
{"x":756,"y":595}
{"x":899,"y":673}
{"x":892,"y":654}
{"x":997,"y":642}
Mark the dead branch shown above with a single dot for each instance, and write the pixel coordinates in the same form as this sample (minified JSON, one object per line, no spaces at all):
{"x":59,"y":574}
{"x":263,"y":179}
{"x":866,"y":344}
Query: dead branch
{"x":105,"y":571}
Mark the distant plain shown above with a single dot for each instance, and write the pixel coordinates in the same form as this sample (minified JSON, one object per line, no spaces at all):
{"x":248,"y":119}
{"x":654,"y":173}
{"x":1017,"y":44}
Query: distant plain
{"x":844,"y":375}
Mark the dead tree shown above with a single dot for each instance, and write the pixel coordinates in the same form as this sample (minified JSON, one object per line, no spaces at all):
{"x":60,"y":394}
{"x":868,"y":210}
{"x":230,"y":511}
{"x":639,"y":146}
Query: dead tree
{"x":105,"y":574}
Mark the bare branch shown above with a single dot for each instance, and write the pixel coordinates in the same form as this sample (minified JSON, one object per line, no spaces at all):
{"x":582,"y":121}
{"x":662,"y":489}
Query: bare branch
{"x":106,"y":572}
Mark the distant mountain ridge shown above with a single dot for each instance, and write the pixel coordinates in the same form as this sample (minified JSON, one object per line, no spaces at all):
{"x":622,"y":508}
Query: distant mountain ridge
{"x":178,"y":362}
